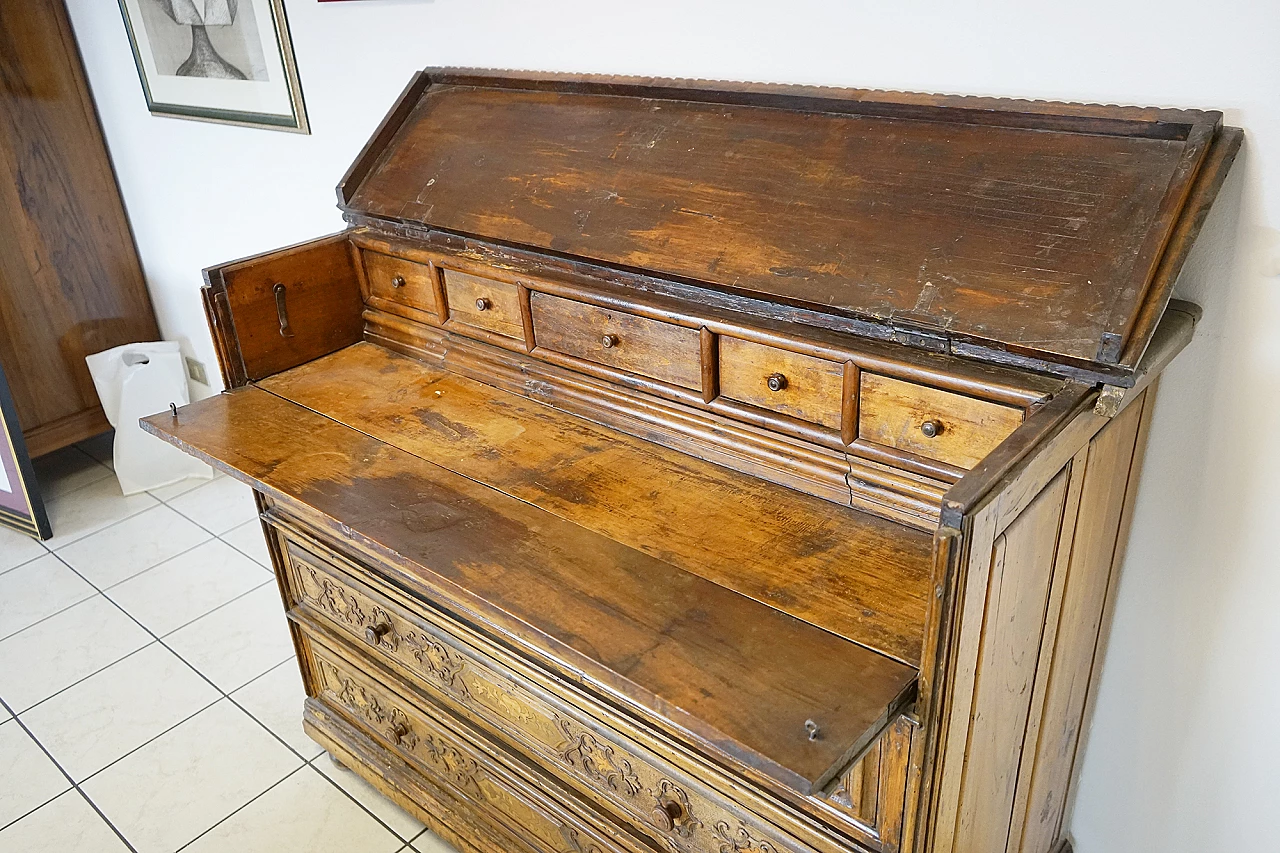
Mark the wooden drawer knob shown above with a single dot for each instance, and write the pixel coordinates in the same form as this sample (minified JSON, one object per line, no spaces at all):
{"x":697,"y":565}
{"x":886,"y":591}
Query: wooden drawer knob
{"x":931,"y":428}
{"x":397,"y":282}
{"x":776,"y":382}
{"x":399,"y":732}
{"x":374,"y":633}
{"x":667,"y":815}
{"x":609,"y":341}
{"x":482,"y":304}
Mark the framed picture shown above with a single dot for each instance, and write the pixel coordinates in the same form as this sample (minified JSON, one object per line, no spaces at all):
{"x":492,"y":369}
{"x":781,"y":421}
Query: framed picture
{"x":227,"y":61}
{"x":20,"y":504}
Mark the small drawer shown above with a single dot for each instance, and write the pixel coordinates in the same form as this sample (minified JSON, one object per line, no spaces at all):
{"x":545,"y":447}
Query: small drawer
{"x":786,"y":382}
{"x":400,"y":282}
{"x":448,"y":759}
{"x":651,"y":348}
{"x":950,"y":428}
{"x":484,"y":303}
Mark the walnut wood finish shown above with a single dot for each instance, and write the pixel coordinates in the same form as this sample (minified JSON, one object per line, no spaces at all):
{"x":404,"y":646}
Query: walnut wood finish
{"x":395,"y":284}
{"x":948,"y":427}
{"x":543,"y":577}
{"x":274,"y":311}
{"x":649,"y":529}
{"x":786,"y":382}
{"x":662,"y":351}
{"x":484,"y":303}
{"x":70,"y":281}
{"x":827,"y":565}
{"x":590,"y":167}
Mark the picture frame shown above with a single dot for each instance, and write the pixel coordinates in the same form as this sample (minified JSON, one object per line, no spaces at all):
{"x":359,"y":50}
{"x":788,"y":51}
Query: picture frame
{"x":21,"y":507}
{"x":224,"y":61}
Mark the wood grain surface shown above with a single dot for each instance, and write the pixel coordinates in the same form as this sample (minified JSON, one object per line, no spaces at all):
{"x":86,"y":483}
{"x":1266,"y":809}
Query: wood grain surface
{"x":812,"y":389}
{"x":974,"y":230}
{"x":849,"y":572}
{"x":70,"y":281}
{"x":745,"y":674}
{"x":893,"y":413}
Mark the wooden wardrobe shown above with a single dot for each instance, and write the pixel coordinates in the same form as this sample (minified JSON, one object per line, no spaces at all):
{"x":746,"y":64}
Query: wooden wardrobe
{"x":70,"y":281}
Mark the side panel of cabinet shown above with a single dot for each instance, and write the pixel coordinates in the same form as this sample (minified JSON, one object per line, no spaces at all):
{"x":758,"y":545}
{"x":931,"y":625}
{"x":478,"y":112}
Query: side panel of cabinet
{"x":274,"y":311}
{"x":1040,"y":557}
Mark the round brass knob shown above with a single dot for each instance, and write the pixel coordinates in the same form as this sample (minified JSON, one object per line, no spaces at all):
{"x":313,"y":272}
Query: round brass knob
{"x":609,"y":341}
{"x":399,"y":732}
{"x":397,"y":282}
{"x":667,"y":814}
{"x":374,"y":633}
{"x":931,"y":428}
{"x":482,"y":304}
{"x":776,"y":382}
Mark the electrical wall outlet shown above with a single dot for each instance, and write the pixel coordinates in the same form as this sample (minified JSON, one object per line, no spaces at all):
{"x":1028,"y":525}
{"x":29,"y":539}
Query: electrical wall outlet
{"x":195,"y":369}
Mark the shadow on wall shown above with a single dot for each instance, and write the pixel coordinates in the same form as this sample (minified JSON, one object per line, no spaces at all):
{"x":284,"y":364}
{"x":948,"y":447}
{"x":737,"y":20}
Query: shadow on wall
{"x":1196,"y":558}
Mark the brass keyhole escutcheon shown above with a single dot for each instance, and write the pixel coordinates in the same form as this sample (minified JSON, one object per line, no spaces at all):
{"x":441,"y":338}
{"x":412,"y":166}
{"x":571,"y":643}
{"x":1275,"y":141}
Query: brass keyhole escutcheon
{"x":398,"y":282}
{"x":609,"y":341}
{"x":482,"y":304}
{"x":776,"y":382}
{"x":931,"y":428}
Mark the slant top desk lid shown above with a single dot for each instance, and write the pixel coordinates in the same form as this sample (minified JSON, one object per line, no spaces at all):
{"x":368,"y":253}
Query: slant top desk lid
{"x":1013,"y":231}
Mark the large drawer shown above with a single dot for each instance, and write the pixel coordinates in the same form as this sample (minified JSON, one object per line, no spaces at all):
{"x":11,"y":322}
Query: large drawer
{"x":652,"y":784}
{"x":454,"y":762}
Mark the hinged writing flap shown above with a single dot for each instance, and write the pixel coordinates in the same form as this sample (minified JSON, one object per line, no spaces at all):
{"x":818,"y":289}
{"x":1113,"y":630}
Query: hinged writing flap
{"x":1050,"y":231}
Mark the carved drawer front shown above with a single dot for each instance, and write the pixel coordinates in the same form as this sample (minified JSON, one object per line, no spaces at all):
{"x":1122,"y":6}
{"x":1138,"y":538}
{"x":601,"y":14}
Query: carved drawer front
{"x":451,"y":761}
{"x":652,"y":348}
{"x":484,"y":303}
{"x":789,"y":383}
{"x":395,"y":282}
{"x":682,"y":812}
{"x":940,"y":425}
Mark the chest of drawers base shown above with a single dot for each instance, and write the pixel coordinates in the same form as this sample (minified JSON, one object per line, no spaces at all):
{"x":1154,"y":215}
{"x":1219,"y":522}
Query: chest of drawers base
{"x":342,"y":613}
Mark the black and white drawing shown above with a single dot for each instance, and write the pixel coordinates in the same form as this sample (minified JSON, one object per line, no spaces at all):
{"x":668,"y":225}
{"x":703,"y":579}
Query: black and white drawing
{"x":217,"y":60}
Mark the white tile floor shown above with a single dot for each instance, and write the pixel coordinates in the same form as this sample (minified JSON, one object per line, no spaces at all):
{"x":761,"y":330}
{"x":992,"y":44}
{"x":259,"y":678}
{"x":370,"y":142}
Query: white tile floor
{"x":149,"y":699}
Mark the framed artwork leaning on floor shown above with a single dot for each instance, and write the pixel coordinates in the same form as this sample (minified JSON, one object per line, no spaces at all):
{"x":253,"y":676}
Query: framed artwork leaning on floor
{"x":21,"y":506}
{"x":228,"y":61}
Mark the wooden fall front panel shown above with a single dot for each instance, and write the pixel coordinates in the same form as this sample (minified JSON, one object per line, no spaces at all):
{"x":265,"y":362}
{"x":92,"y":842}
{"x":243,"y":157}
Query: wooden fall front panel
{"x":598,"y":535}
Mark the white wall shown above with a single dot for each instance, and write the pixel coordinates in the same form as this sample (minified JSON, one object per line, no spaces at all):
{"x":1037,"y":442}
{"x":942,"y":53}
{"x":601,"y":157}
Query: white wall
{"x":1184,"y":748}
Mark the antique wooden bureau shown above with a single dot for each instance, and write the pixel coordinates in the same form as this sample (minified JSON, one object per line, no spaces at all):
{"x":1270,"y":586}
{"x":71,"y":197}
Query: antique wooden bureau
{"x":657,"y":465}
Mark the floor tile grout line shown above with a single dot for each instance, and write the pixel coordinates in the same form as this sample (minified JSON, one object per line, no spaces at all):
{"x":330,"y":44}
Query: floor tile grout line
{"x":105,"y":819}
{"x":223,"y":693}
{"x":242,"y":806}
{"x":352,"y":797}
{"x":189,"y":622}
{"x":56,"y":612}
{"x":152,"y":739}
{"x":226,"y":694}
{"x":17,"y":720}
{"x":97,"y":671}
{"x":46,"y":553}
{"x":103,"y":589}
{"x":158,"y":502}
